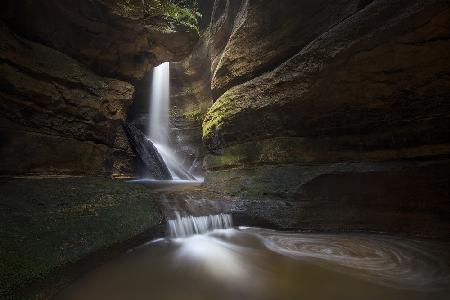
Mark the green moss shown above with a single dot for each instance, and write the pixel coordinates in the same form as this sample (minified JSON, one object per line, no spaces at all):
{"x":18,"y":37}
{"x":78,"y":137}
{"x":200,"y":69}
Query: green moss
{"x":47,"y":223}
{"x":183,"y":12}
{"x":258,"y":181}
{"x":223,"y":108}
{"x":232,"y":156}
{"x":276,"y":150}
{"x":173,"y":112}
{"x":195,"y":115}
{"x":193,"y":112}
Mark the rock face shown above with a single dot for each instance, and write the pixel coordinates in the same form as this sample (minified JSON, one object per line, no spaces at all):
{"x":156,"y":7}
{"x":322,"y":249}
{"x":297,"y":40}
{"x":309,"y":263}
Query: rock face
{"x":49,"y":224}
{"x":56,"y":115}
{"x":148,"y":153}
{"x":409,"y":197}
{"x":68,"y":70}
{"x":349,"y":82}
{"x":330,"y":90}
{"x":292,"y":96}
{"x":109,"y":37}
{"x":190,"y":99}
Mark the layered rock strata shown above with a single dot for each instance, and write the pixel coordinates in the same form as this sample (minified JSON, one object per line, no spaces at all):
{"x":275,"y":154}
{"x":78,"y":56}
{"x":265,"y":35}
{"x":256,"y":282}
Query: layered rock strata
{"x":331,"y":91}
{"x":67,"y":78}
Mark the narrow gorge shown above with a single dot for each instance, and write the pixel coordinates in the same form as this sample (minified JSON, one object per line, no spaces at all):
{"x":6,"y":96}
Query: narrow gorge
{"x":225,"y":149}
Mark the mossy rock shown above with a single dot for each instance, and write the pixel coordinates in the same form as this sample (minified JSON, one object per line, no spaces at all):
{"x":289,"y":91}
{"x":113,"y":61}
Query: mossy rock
{"x":48,"y":223}
{"x":217,"y":114}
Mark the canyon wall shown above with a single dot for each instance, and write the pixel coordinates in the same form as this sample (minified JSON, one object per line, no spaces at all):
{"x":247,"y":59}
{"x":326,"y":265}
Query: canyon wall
{"x":338,"y":107}
{"x":69,"y":73}
{"x":68,"y":76}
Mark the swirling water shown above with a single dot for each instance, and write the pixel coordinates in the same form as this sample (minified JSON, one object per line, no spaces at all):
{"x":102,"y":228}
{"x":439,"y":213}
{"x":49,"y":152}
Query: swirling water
{"x":381,"y":259}
{"x":260,"y":264}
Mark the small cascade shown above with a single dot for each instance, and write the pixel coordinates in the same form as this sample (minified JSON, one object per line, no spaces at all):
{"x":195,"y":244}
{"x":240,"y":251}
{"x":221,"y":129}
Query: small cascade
{"x":190,"y":225}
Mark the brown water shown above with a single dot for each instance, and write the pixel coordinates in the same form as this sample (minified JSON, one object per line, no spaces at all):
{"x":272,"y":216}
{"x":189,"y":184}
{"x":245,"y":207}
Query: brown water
{"x":263,"y":264}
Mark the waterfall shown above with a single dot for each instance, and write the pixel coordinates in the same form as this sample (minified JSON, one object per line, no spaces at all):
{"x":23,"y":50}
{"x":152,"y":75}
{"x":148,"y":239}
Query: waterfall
{"x":158,"y":126}
{"x":190,"y":225}
{"x":158,"y":130}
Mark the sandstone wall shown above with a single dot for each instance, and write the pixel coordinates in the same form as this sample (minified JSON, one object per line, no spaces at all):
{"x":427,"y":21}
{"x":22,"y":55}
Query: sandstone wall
{"x":309,"y":91}
{"x":68,"y":76}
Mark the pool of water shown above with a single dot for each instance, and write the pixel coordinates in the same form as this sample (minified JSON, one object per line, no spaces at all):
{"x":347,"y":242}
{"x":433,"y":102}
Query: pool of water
{"x":260,"y":264}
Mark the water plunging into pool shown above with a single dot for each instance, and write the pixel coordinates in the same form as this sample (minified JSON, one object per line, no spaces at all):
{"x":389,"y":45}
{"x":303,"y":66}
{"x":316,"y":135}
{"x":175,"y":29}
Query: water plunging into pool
{"x":158,"y":125}
{"x":158,"y":129}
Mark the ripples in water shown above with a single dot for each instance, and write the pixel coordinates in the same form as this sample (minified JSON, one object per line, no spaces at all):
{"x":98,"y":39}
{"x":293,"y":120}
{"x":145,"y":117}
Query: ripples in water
{"x":381,"y":259}
{"x":258,"y":264}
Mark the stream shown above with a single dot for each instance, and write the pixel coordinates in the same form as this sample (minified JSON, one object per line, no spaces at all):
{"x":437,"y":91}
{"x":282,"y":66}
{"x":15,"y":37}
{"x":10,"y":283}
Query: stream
{"x":254,"y":263}
{"x":205,"y":257}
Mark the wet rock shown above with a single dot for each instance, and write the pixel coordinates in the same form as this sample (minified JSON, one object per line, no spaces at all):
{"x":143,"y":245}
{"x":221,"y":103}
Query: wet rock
{"x":189,"y":103}
{"x":53,"y":230}
{"x":409,"y":197}
{"x":125,"y":161}
{"x":67,"y":76}
{"x":187,"y":107}
{"x":148,"y":153}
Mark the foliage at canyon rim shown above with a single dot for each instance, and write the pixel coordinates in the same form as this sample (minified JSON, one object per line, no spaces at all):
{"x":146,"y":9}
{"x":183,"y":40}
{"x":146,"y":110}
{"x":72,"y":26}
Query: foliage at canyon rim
{"x":184,"y":12}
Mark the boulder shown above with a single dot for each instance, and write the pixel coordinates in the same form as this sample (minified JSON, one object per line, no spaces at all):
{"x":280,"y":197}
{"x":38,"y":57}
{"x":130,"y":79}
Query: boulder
{"x":147,"y":152}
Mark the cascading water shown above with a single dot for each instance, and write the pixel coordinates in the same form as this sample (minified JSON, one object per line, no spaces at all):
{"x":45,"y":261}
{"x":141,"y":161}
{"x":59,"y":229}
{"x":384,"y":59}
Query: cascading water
{"x":158,"y":129}
{"x":190,"y":225}
{"x":159,"y":105}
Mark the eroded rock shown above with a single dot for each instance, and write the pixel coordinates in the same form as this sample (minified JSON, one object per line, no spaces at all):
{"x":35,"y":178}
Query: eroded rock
{"x":148,"y":153}
{"x":340,"y":126}
{"x":383,"y":67}
{"x":67,"y":76}
{"x":48,"y":98}
{"x":106,"y":35}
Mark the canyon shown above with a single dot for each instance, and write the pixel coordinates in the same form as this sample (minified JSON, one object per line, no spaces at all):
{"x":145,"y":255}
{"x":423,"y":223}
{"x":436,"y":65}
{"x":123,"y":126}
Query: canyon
{"x":323,"y":116}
